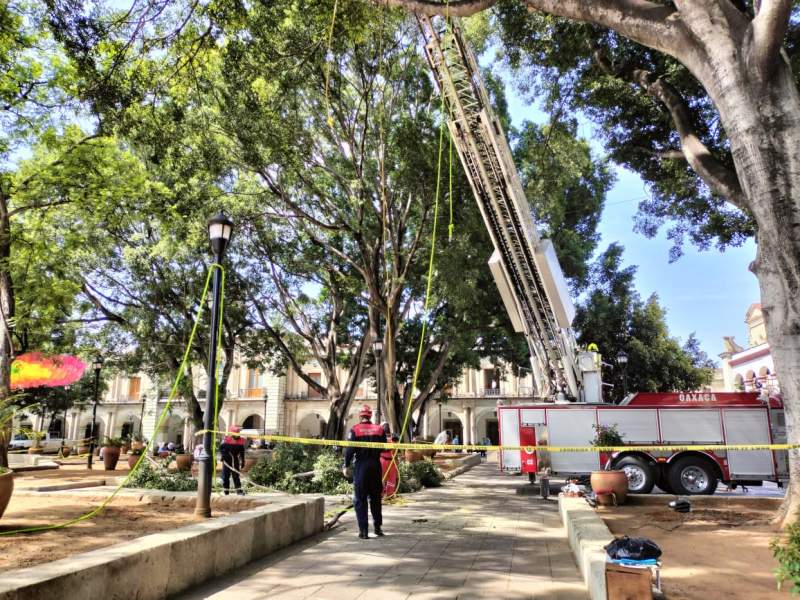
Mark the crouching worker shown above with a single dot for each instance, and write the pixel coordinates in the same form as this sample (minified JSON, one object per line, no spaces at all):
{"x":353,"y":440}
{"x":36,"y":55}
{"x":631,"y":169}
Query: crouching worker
{"x":232,"y":451}
{"x":366,"y":472}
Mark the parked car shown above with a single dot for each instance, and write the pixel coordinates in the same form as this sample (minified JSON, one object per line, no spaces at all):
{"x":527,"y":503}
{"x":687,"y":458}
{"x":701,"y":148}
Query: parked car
{"x":49,"y":444}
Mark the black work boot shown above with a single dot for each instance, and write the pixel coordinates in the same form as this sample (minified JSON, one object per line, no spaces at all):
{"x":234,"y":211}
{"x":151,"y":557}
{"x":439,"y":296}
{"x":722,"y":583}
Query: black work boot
{"x":379,"y":531}
{"x":363,"y":534}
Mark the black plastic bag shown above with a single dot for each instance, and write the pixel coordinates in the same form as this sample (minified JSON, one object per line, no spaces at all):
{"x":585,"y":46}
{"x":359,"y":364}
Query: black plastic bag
{"x":633,"y":548}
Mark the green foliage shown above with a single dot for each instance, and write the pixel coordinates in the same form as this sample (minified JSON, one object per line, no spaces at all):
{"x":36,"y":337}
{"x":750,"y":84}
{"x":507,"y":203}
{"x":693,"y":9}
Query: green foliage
{"x":277,"y":471}
{"x":152,"y":478}
{"x":113,"y":442}
{"x":607,"y":435}
{"x":556,"y":61}
{"x":787,"y":553}
{"x":614,"y":317}
{"x":419,"y":474}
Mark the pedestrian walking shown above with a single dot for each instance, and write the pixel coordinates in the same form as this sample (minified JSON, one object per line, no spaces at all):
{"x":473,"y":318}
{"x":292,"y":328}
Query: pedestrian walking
{"x":232,"y":451}
{"x":366,"y":472}
{"x":456,"y":442}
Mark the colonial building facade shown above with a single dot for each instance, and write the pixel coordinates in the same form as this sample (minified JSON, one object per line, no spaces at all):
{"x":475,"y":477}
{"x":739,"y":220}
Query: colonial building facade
{"x":262,"y":401}
{"x":751,"y":368}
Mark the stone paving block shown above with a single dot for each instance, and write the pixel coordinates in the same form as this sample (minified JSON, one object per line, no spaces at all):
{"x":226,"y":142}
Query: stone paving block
{"x":480,"y":540}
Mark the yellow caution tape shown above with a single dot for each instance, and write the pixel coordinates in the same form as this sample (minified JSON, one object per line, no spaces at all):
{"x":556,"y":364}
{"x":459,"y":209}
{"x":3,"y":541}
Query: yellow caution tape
{"x":529,"y":449}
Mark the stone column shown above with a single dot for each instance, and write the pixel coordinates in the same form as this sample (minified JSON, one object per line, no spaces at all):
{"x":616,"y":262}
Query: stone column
{"x":473,"y":430}
{"x":468,"y":431}
{"x":110,"y":423}
{"x":150,"y":417}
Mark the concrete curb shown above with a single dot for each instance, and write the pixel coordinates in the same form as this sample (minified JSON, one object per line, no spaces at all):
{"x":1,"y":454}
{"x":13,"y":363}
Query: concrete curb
{"x":714,"y":501}
{"x":587,"y":535}
{"x":167,"y":563}
{"x":465,"y":464}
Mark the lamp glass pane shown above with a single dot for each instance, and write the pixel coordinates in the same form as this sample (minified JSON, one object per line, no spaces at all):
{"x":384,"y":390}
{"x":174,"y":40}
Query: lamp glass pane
{"x":215,"y":231}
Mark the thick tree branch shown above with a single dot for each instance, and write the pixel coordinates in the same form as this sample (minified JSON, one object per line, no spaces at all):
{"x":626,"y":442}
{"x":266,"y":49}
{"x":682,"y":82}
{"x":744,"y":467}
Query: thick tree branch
{"x":455,"y":8}
{"x":721,"y":179}
{"x":648,"y":23}
{"x":109,"y":314}
{"x":769,"y":29}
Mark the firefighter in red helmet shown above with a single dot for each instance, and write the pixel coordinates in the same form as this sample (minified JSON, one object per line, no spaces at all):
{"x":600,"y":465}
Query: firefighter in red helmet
{"x":366,"y":472}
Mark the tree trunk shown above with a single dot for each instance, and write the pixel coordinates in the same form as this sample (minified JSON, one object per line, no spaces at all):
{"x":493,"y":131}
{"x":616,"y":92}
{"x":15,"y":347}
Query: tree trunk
{"x":761,"y":115}
{"x":7,"y":314}
{"x":337,"y":418}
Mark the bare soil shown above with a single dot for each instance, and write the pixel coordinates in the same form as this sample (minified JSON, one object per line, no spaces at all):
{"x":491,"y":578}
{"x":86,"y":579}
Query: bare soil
{"x":711,"y":552}
{"x":129,"y":516}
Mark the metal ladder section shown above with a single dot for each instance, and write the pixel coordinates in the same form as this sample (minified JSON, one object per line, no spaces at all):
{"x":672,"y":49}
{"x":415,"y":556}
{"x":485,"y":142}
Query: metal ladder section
{"x":488,"y":162}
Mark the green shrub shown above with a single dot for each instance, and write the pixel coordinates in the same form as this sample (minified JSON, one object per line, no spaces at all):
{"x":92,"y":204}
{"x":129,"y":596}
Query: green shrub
{"x":328,"y":474}
{"x":277,"y":471}
{"x":148,"y":477}
{"x":788,"y":557}
{"x":415,"y":475}
{"x":428,"y":473}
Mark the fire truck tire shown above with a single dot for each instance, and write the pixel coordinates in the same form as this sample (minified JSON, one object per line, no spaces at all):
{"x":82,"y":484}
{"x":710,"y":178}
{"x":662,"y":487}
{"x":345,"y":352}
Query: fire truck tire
{"x":641,"y":477}
{"x":692,"y":475}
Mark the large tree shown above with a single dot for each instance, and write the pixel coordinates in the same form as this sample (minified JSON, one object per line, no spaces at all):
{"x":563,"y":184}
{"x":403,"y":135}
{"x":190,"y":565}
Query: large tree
{"x":723,"y":97}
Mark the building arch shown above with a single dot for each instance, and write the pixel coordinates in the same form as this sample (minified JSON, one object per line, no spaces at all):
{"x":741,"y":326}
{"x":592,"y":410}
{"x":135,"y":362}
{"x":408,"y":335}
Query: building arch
{"x":253,"y":421}
{"x":738,"y":383}
{"x":487,"y":425}
{"x":311,"y":425}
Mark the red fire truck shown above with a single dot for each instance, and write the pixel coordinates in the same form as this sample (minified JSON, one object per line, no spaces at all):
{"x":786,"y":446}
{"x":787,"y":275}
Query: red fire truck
{"x":653,"y":419}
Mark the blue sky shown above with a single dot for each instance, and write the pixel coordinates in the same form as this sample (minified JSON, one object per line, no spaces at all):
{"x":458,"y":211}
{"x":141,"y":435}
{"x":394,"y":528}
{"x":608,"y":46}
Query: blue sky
{"x":703,"y":292}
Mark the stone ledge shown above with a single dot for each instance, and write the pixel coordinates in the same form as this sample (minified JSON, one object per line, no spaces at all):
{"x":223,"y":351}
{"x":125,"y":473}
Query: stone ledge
{"x":167,"y":563}
{"x":587,"y":534}
{"x":464,"y":465}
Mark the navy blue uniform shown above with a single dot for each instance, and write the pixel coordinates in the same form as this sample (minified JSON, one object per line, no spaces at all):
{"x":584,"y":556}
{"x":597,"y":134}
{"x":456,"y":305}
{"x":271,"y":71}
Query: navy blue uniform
{"x":366,"y":473}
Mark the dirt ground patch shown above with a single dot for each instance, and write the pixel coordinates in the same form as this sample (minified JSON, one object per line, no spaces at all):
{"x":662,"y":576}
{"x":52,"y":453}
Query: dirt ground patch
{"x":126,"y":518}
{"x":708,"y":553}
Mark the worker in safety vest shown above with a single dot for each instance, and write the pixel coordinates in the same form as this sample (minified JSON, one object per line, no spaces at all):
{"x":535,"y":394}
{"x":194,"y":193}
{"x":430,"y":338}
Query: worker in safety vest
{"x":366,"y":472}
{"x":232,"y":451}
{"x":597,"y":358}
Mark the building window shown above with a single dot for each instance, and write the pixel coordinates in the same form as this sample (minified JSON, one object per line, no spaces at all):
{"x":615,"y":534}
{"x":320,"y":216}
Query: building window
{"x":312,"y":392}
{"x":134,"y":387}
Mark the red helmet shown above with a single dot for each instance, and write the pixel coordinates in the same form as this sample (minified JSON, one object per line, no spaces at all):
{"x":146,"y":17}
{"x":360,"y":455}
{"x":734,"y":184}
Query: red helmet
{"x":365,"y":411}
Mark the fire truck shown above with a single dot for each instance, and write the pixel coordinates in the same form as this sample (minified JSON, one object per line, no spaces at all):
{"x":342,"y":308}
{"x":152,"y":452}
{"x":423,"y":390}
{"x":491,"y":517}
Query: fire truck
{"x":567,"y":380}
{"x":653,"y":419}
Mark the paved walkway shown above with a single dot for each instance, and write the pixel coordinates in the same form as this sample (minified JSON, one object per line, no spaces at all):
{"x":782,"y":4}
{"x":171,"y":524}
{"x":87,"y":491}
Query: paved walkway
{"x":472,"y":538}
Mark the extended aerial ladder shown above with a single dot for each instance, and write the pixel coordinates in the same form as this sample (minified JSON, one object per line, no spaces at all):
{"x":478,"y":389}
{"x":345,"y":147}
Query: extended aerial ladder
{"x":524,"y":265}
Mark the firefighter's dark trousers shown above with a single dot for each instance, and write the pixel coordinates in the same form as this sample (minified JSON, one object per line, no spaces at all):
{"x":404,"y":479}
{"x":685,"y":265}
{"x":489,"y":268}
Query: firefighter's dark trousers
{"x":368,"y":485}
{"x":226,"y":476}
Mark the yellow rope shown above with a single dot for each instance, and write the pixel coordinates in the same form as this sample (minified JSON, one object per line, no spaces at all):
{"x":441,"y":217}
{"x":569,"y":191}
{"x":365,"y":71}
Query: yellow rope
{"x":162,"y":417}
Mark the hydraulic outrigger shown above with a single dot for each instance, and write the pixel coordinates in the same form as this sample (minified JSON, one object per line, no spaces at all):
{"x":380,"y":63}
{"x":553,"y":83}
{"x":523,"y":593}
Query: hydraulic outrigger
{"x":524,"y":265}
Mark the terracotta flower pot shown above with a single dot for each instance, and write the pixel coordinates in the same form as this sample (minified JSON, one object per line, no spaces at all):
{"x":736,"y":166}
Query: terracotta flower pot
{"x":6,"y":488}
{"x":132,"y":460}
{"x":413,"y":456}
{"x":163,"y":454}
{"x":614,"y":481}
{"x":184,"y":462}
{"x":65,"y":451}
{"x":125,"y":448}
{"x":110,"y":457}
{"x":137,"y":445}
{"x":35,"y":450}
{"x":83,"y":449}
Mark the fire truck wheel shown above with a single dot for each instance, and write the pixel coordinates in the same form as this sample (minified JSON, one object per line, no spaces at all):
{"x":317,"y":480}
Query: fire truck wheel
{"x":641,"y":477}
{"x":692,"y":475}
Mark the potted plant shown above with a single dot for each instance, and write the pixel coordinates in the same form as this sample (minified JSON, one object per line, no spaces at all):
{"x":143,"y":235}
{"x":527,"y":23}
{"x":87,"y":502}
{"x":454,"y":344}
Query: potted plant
{"x":183,"y":459}
{"x":64,"y":450}
{"x":111,"y":451}
{"x":36,"y":446}
{"x":610,"y":485}
{"x":126,"y":444}
{"x":7,"y":412}
{"x":137,"y":442}
{"x":133,"y":456}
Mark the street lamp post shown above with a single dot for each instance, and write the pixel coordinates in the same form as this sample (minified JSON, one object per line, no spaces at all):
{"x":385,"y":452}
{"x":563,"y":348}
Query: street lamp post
{"x":377,"y":348}
{"x":263,"y":440}
{"x":622,"y":361}
{"x":97,"y":364}
{"x":220,"y":228}
{"x":439,"y":402}
{"x":141,"y":414}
